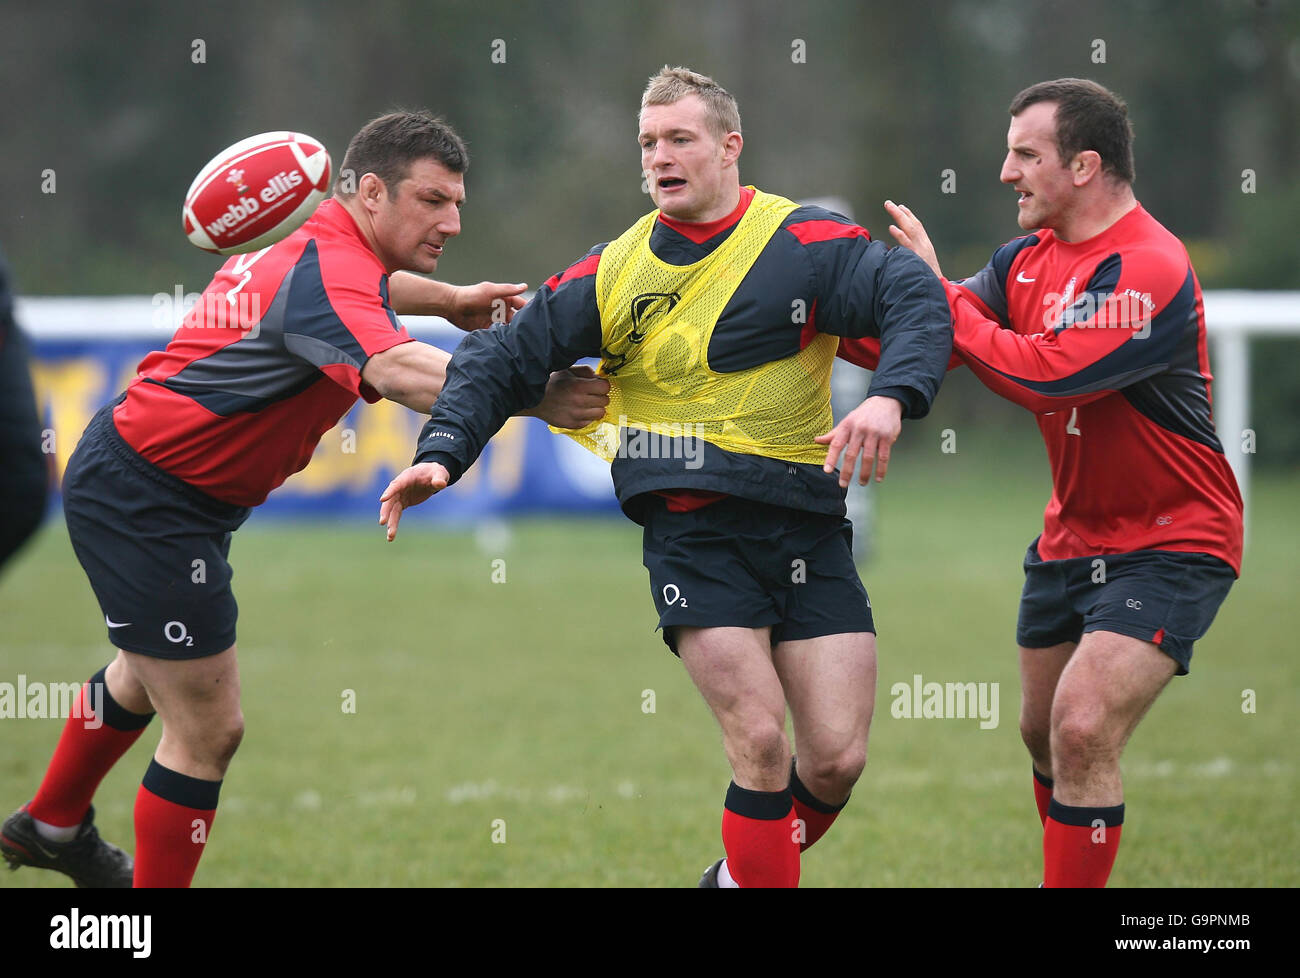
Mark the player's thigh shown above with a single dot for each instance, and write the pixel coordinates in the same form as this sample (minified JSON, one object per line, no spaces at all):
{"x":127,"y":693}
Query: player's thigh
{"x":830,"y":686}
{"x":1108,"y":685}
{"x":1040,"y":671}
{"x":196,"y":699}
{"x":732,"y":668}
{"x":825,"y":651}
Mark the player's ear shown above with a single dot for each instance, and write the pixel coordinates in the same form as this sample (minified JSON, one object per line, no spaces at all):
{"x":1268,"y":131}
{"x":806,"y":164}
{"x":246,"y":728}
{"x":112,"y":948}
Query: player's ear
{"x":1085,"y":166}
{"x":732,"y":143}
{"x":371,"y":191}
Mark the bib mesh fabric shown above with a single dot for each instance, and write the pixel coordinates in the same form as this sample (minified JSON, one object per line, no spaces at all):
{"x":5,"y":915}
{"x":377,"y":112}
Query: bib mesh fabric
{"x":657,"y":320}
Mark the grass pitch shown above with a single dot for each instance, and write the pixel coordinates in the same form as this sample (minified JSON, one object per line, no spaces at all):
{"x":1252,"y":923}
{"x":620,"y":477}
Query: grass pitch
{"x":536,"y":732}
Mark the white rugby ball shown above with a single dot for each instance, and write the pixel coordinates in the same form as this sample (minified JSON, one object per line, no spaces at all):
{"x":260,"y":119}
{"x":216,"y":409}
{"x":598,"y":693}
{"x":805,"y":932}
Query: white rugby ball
{"x":252,"y":194}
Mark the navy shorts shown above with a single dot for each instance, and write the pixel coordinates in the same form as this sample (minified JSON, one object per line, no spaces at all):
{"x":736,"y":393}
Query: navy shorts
{"x":739,"y":563}
{"x":153,"y":546}
{"x":1160,"y":596}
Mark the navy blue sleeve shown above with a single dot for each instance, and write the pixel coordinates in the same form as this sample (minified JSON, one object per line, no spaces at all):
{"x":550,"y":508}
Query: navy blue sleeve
{"x":498,"y":372}
{"x":865,"y":289}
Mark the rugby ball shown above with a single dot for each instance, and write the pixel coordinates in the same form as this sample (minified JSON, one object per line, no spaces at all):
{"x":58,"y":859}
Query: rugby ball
{"x":256,"y":192}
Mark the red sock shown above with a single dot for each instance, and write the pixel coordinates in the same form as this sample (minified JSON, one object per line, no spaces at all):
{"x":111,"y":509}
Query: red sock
{"x":814,"y":814}
{"x":1042,"y":795}
{"x":96,"y":735}
{"x":173,"y":816}
{"x":760,"y":837}
{"x":1079,"y":845}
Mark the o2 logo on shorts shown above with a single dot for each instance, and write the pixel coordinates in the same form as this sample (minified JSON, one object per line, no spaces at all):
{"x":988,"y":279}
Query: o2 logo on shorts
{"x":676,"y":595}
{"x":177,"y":633}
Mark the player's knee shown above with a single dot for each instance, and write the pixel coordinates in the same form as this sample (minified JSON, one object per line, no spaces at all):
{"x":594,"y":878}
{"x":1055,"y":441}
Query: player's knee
{"x":224,"y":739}
{"x":831,"y":776}
{"x":762,"y":741}
{"x":1038,"y":739}
{"x":1079,"y":739}
{"x":232,"y":736}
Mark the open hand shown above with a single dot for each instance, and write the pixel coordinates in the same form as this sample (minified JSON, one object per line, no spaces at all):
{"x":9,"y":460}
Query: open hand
{"x":869,"y":430}
{"x":410,"y":488}
{"x":911,"y":234}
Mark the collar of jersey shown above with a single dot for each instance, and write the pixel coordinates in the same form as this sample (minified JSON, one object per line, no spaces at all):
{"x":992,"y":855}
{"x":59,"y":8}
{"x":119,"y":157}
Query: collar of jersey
{"x":700,"y":233}
{"x":1120,"y":227}
{"x":335,"y":216}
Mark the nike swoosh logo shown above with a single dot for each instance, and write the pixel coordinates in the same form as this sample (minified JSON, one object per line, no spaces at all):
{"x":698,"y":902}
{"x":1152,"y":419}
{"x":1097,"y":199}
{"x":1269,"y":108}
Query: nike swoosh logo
{"x":1020,"y":277}
{"x":16,"y":845}
{"x":115,"y":624}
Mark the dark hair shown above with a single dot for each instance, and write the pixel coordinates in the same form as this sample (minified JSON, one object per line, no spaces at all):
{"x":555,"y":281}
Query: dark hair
{"x":1088,"y":117}
{"x":387,"y":147}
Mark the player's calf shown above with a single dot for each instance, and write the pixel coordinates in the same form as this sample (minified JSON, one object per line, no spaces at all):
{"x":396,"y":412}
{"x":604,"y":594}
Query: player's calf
{"x":732,"y":668}
{"x":1040,"y":671}
{"x":1105,"y":690}
{"x":198,"y":702}
{"x":814,"y":815}
{"x":830,"y":681}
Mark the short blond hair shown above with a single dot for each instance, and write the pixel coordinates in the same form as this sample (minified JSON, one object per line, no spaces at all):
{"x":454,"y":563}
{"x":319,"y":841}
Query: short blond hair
{"x":674,"y":84}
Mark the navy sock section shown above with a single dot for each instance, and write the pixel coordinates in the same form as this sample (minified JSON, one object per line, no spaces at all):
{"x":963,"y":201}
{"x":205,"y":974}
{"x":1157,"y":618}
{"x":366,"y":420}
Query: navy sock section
{"x":181,"y":789}
{"x":1044,"y":780}
{"x":807,"y":798}
{"x":1069,"y":815}
{"x":115,"y":715}
{"x":766,"y":805}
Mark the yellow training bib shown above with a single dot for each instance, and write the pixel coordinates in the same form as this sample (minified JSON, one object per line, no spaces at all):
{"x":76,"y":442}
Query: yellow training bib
{"x":656,"y":322}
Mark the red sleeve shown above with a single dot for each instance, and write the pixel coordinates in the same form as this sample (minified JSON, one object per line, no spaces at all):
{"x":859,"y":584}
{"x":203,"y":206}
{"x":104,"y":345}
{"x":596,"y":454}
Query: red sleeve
{"x":1121,"y":329}
{"x":865,"y":352}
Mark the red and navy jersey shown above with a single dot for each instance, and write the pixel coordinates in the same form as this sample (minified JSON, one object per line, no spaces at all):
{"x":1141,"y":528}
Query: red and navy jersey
{"x":267,"y":361}
{"x":819,"y":273}
{"x":1104,"y":340}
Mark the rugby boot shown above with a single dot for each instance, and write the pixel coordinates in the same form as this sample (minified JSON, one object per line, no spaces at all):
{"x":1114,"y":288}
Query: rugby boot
{"x":88,"y":860}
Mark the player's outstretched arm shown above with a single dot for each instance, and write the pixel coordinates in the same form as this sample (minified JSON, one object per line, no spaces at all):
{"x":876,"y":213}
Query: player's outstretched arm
{"x":911,"y":234}
{"x":1123,"y":326}
{"x":869,"y":431}
{"x":468,"y":307}
{"x":410,"y":488}
{"x":413,"y":374}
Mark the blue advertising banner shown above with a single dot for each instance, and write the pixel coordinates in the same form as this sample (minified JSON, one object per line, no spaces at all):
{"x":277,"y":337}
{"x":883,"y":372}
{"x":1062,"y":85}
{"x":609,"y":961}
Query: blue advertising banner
{"x":85,"y":352}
